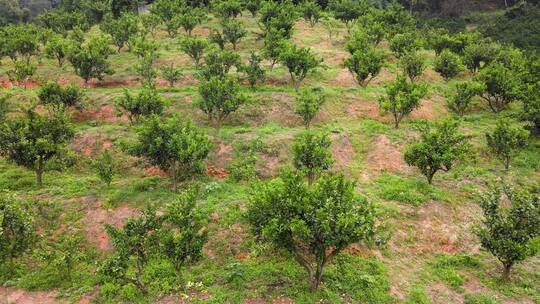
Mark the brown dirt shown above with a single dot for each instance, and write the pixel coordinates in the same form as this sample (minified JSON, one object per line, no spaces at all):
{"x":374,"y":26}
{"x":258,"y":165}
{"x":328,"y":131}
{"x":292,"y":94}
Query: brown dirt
{"x":217,"y":173}
{"x":430,"y":108}
{"x":283,"y":300}
{"x":222,"y":156}
{"x":438,"y":228}
{"x":106,"y":113}
{"x":342,"y":150}
{"x":359,"y":107}
{"x":385,"y":157}
{"x":227,"y":241}
{"x":155,"y":171}
{"x":440,"y":293}
{"x":90,"y":144}
{"x":96,"y":217}
{"x":254,"y":301}
{"x":19,"y":296}
{"x":28,"y":84}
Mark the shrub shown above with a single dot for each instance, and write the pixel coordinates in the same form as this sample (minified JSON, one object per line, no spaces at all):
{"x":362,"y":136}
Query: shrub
{"x":312,"y":155}
{"x":413,"y":65}
{"x":255,"y":73}
{"x":308,"y":104}
{"x":194,"y":47}
{"x":233,"y":31}
{"x":299,"y":62}
{"x":364,"y":65}
{"x":505,"y":140}
{"x":144,"y":103}
{"x":402,"y":97}
{"x":501,"y":86}
{"x":291,"y":215}
{"x":34,"y":139}
{"x":460,"y":101}
{"x":311,"y":12}
{"x":402,"y":44}
{"x":448,"y":65}
{"x":219,"y":98}
{"x":508,"y":231}
{"x":91,"y":60}
{"x":59,"y":98}
{"x":174,"y":145}
{"x":105,"y":167}
{"x":438,"y":149}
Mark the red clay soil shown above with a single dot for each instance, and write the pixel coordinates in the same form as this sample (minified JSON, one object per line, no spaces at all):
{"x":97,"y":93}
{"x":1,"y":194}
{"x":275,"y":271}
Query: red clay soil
{"x":217,"y":173}
{"x":106,"y":113}
{"x":343,"y":151}
{"x":18,"y":296}
{"x":90,"y":144}
{"x":385,"y":157}
{"x":96,"y":218}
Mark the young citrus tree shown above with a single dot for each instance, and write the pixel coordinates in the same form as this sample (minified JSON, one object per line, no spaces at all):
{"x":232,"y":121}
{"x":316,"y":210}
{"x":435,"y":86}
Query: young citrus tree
{"x":365,"y":65}
{"x":460,"y":101}
{"x":438,"y":149}
{"x":312,"y":155}
{"x":220,"y":97}
{"x":511,"y":224}
{"x":506,"y":139}
{"x":308,"y":104}
{"x":31,"y":140}
{"x":299,"y":62}
{"x":402,"y":97}
{"x":296,"y":217}
{"x":174,"y":145}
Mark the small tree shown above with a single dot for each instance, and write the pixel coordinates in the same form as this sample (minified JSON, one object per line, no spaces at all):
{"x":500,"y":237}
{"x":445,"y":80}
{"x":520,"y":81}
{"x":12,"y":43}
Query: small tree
{"x":91,"y":60}
{"x":279,"y":17}
{"x":402,"y":97}
{"x":505,"y":140}
{"x":460,"y":101}
{"x":331,"y":26}
{"x":402,"y":44}
{"x":254,"y":71}
{"x":273,"y":45}
{"x":531,"y":108}
{"x":21,"y":72}
{"x":194,"y":47}
{"x":175,"y":146}
{"x":190,"y":19}
{"x":145,"y":103}
{"x":509,"y":232}
{"x":311,"y":12}
{"x":291,"y":215}
{"x":413,"y":65}
{"x":34,"y":139}
{"x":365,"y":65}
{"x":299,"y":62}
{"x":312,"y":155}
{"x":218,"y":63}
{"x":227,"y":9}
{"x":438,"y":149}
{"x":480,"y":54}
{"x":219,"y":98}
{"x":145,"y":69}
{"x":150,"y":24}
{"x":501,"y":86}
{"x":58,"y":48}
{"x":16,"y":230}
{"x":347,"y":10}
{"x":59,"y":98}
{"x":134,"y":245}
{"x":121,"y":29}
{"x":105,"y":167}
{"x":233,"y":31}
{"x":185,"y":236}
{"x":448,"y":65}
{"x":171,"y":73}
{"x":252,"y":6}
{"x":216,"y":37}
{"x":308,"y":104}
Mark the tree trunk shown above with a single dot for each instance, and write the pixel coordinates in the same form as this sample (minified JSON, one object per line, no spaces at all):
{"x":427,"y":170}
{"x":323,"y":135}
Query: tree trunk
{"x":506,"y":272}
{"x":507,"y":163}
{"x":39,"y":173}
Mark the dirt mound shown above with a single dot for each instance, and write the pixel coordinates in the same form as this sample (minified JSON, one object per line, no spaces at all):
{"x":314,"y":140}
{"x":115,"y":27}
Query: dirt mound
{"x":430,"y":108}
{"x":217,"y":173}
{"x":343,"y":151}
{"x":90,"y":144}
{"x":96,"y":217}
{"x":385,"y":156}
{"x":19,"y":296}
{"x":106,"y":113}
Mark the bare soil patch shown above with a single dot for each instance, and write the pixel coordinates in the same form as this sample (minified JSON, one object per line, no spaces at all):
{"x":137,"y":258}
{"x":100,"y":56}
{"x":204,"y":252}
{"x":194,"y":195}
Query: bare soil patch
{"x":20,"y":296}
{"x":385,"y":157}
{"x":96,"y":218}
{"x":343,"y":151}
{"x":106,"y":113}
